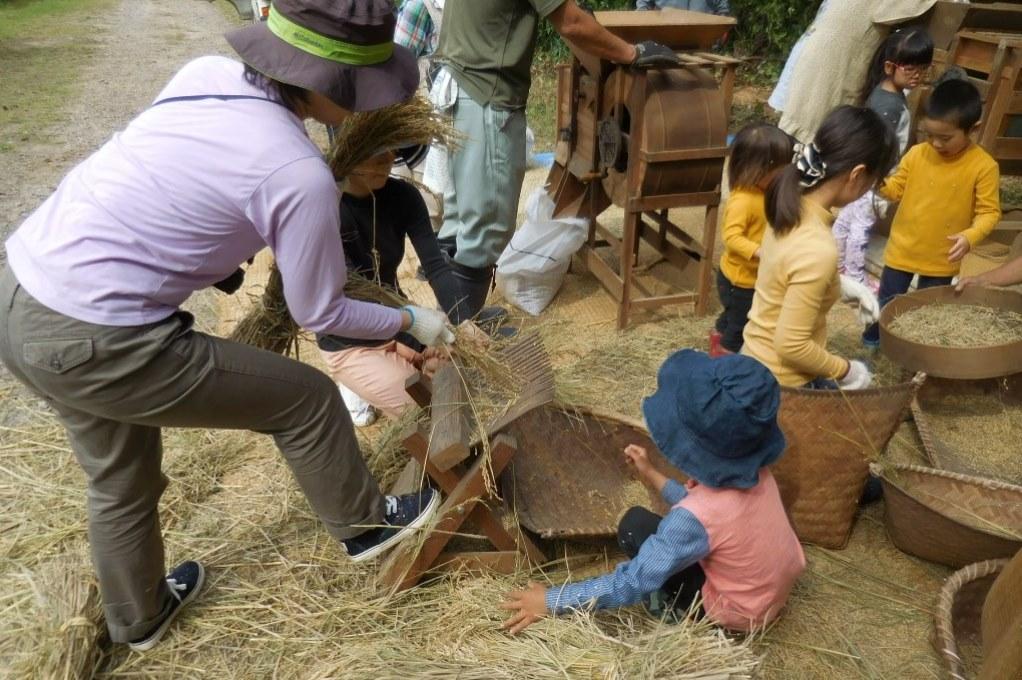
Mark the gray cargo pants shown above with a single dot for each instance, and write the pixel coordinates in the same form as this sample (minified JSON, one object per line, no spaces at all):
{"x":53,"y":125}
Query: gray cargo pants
{"x":113,"y":388}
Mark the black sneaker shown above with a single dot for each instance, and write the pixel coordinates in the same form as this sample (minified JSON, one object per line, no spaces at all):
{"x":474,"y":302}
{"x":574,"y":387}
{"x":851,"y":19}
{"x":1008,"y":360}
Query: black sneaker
{"x":184,"y":581}
{"x":492,"y":320}
{"x":404,"y":514}
{"x":661,"y":607}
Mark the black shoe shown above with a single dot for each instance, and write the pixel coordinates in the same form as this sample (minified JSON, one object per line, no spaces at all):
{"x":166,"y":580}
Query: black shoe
{"x":873,"y":491}
{"x":404,"y":514}
{"x":474,"y":283}
{"x":493,"y":321}
{"x":184,"y":581}
{"x":661,"y":606}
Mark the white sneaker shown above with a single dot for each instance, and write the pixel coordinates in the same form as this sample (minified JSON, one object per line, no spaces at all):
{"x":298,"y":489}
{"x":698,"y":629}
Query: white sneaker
{"x":362,"y":412}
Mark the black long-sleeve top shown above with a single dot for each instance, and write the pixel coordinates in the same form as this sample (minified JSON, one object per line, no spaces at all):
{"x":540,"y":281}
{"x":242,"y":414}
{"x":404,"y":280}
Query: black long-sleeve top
{"x":399,"y":212}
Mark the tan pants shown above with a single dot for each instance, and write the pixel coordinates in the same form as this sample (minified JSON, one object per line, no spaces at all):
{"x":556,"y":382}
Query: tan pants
{"x":113,"y":388}
{"x":377,"y":374}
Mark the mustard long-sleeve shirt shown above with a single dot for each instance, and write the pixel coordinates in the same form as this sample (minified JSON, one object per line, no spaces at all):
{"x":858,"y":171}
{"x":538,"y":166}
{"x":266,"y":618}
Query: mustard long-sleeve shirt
{"x":744,"y":224}
{"x":940,"y":197}
{"x":797,"y":285}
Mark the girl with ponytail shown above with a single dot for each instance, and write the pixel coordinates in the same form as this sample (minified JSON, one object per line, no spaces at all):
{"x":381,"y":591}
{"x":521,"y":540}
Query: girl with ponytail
{"x":798,"y":278}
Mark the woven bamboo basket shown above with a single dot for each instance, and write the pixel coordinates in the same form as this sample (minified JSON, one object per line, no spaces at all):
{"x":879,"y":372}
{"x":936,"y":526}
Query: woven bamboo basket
{"x":978,"y":621}
{"x":935,"y":424}
{"x":951,"y":518}
{"x":569,"y":478}
{"x":832,"y":437}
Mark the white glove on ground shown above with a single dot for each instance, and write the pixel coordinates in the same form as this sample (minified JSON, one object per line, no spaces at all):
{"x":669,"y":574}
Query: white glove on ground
{"x":429,"y":326}
{"x":869,"y":307}
{"x":858,"y":377}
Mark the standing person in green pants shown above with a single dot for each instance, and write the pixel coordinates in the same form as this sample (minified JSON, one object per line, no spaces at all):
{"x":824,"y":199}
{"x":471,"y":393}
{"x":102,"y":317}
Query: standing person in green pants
{"x":487,"y":47}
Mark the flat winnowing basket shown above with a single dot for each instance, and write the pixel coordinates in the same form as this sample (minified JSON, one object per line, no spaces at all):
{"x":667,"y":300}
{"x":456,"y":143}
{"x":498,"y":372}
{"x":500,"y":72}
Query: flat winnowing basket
{"x":569,"y":477}
{"x":951,"y":518}
{"x":832,"y":437}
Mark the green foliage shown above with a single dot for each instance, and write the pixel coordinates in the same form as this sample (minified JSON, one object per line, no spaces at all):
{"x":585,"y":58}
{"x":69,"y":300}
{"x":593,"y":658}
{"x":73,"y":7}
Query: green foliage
{"x":550,"y":44}
{"x":766,"y":29}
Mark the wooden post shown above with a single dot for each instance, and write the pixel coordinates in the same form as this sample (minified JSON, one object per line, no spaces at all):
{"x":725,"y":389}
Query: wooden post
{"x":706,"y":263}
{"x":448,"y":438}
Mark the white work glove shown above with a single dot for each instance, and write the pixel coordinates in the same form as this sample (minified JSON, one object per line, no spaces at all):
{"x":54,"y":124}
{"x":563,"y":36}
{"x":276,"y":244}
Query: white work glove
{"x":858,"y":377}
{"x":429,"y":326}
{"x":869,"y":307}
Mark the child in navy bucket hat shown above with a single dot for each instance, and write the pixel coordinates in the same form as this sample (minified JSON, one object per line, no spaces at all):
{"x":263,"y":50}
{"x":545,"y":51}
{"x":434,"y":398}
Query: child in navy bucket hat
{"x":726,"y":538}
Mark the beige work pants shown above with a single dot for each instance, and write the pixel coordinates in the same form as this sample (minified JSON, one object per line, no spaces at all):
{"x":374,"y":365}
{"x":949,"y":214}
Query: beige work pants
{"x":377,"y":374}
{"x":113,"y":388}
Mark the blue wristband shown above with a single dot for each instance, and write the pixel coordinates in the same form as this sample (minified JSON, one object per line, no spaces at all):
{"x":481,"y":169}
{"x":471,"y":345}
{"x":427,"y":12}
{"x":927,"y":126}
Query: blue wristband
{"x":408,"y":309}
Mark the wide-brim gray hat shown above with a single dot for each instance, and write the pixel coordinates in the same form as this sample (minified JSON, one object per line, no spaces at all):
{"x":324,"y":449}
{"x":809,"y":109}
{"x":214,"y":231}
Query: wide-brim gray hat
{"x":342,"y":49}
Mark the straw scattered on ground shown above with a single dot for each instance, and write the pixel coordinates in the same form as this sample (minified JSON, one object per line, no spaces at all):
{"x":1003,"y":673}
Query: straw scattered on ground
{"x":963,"y":326}
{"x":281,"y":601}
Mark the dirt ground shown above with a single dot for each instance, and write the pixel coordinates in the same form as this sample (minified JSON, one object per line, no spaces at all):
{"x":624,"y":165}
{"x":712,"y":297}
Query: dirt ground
{"x":861,"y":612}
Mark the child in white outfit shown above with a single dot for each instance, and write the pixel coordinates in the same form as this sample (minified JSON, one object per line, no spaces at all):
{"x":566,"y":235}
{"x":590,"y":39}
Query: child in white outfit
{"x":898,"y":64}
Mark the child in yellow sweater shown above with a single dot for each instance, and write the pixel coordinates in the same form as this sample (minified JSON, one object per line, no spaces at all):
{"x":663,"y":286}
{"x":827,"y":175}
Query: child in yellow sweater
{"x":949,"y":190}
{"x":758,"y":153}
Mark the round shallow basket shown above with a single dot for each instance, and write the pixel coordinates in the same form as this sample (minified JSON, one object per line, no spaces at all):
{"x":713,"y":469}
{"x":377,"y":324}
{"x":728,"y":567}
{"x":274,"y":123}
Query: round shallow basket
{"x":832,"y":436}
{"x":954,"y":441}
{"x":569,"y":478}
{"x":979,"y":621}
{"x":958,"y":617}
{"x":952,"y":362}
{"x":951,"y":518}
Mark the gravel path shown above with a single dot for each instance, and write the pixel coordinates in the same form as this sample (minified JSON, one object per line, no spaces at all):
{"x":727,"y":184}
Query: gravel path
{"x":141,"y":44}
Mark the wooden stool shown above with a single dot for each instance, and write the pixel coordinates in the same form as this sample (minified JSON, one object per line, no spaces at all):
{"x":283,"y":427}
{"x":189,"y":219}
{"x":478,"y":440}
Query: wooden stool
{"x":445,"y":451}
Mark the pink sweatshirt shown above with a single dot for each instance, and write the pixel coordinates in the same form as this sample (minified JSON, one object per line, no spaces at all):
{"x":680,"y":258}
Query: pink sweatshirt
{"x":755,"y":557}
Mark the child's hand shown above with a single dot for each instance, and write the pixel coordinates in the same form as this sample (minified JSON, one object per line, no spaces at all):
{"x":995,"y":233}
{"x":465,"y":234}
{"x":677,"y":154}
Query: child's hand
{"x":529,"y":606}
{"x":959,"y":249}
{"x":755,"y":255}
{"x":637,"y":457}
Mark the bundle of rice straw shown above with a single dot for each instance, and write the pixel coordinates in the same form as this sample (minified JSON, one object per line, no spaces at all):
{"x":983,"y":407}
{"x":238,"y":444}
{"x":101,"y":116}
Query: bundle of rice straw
{"x":362,"y":135}
{"x":269,"y":324}
{"x":70,"y":633}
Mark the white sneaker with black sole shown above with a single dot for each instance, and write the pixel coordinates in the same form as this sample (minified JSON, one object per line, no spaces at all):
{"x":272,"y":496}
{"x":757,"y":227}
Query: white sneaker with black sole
{"x":403,"y":516}
{"x":184,"y":581}
{"x":361,"y":411}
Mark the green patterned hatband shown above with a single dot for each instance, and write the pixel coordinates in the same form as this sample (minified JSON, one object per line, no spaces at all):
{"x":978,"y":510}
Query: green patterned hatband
{"x":325,"y":47}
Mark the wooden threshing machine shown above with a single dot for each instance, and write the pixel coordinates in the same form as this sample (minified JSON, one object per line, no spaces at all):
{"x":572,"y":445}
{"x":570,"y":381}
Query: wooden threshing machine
{"x":645,"y":140}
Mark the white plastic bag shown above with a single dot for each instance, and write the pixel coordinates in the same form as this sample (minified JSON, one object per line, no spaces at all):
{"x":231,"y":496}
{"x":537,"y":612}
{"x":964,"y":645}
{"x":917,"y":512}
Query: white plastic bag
{"x":443,"y":96}
{"x":532,"y":267}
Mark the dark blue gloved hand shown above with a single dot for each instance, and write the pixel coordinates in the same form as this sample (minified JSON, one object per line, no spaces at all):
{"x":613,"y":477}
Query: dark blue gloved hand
{"x":651,"y":53}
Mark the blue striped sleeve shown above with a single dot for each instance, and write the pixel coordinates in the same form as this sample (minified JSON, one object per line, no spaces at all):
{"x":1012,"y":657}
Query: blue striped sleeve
{"x":673,"y":492}
{"x":680,"y":541}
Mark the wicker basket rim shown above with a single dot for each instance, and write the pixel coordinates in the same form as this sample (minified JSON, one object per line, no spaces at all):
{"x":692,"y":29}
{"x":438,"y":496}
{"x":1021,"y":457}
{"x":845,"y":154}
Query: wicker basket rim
{"x":992,"y":484}
{"x":943,"y":617}
{"x":909,"y":385}
{"x":599,"y":414}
